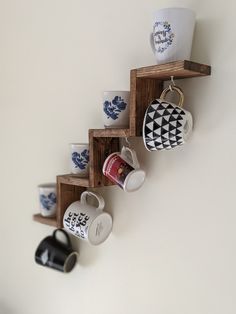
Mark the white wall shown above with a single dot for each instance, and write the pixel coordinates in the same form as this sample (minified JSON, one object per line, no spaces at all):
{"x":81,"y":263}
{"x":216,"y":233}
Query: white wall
{"x":172,"y":249}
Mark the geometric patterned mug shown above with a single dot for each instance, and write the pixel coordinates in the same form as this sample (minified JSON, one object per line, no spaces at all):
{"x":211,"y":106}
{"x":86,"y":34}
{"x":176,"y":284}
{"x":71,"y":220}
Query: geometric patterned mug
{"x":166,"y":125}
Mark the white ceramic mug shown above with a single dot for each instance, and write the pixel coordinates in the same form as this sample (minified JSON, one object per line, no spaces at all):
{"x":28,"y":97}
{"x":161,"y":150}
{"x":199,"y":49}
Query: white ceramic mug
{"x":123,"y":169}
{"x":116,"y":109}
{"x":172,"y":34}
{"x":48,"y":199}
{"x":86,"y":221}
{"x":79,"y":159}
{"x":166,"y":125}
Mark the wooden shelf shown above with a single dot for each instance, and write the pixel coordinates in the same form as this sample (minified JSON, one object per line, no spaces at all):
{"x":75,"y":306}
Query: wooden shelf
{"x":51,"y":221}
{"x":179,"y":69}
{"x":146,"y":84}
{"x":73,"y":179}
{"x":110,"y":132}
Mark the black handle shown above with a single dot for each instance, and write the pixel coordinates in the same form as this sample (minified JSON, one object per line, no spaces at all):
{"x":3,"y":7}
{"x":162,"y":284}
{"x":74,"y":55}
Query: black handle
{"x":65,"y":234}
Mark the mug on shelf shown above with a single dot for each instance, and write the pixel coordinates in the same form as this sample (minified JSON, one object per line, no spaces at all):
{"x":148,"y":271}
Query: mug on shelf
{"x":79,"y":159}
{"x":123,"y":169}
{"x":48,"y":199}
{"x":166,"y":125}
{"x":55,"y":254}
{"x":172,"y":35}
{"x":86,"y":221}
{"x":116,"y":109}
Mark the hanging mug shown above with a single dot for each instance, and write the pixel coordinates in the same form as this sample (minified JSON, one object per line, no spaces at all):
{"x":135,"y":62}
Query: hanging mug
{"x":123,"y":169}
{"x":86,"y":221}
{"x":166,"y":125}
{"x":53,"y":253}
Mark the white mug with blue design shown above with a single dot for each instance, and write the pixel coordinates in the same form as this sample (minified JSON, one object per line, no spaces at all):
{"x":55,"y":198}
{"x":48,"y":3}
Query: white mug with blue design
{"x":48,"y":199}
{"x":79,"y":159}
{"x":172,"y":34}
{"x":116,"y":109}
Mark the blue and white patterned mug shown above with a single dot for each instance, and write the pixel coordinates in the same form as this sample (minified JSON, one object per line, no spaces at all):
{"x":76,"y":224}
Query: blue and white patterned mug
{"x":172,"y":34}
{"x":79,"y":159}
{"x":48,"y":199}
{"x":116,"y":109}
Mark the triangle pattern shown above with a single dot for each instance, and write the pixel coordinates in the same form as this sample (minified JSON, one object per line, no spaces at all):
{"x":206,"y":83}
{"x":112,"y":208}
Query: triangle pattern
{"x":150,"y":125}
{"x":151,"y":114}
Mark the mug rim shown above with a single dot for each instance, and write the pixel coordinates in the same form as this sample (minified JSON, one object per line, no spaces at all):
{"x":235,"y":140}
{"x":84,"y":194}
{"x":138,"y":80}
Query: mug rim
{"x":129,"y":175}
{"x":47,"y":185}
{"x":78,"y":144}
{"x":100,"y":214}
{"x":175,"y":8}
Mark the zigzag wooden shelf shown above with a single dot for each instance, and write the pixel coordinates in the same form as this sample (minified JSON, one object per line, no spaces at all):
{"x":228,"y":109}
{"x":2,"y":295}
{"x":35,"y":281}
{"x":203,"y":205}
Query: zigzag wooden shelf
{"x":146,"y":84}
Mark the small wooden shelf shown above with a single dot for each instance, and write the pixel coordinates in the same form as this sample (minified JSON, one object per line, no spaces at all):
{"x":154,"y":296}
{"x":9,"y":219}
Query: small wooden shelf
{"x":179,"y":69}
{"x":51,"y":221}
{"x":110,"y":132}
{"x":146,"y":84}
{"x":73,"y":179}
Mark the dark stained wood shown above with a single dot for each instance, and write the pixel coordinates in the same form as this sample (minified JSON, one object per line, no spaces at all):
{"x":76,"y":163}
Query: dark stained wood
{"x":50,"y":221}
{"x":66,"y":194}
{"x":73,"y":179}
{"x":179,"y":69}
{"x":143,"y":91}
{"x":110,"y":132}
{"x":99,"y":149}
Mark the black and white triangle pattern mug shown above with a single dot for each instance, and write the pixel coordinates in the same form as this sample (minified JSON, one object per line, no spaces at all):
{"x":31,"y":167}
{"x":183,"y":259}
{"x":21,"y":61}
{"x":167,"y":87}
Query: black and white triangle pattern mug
{"x":166,"y":125}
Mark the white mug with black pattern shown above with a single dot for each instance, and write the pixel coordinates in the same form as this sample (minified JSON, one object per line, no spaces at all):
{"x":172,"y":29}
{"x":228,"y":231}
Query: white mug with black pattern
{"x":88,"y":222}
{"x":116,"y":109}
{"x":172,"y":34}
{"x":166,"y":125}
{"x":79,"y":159}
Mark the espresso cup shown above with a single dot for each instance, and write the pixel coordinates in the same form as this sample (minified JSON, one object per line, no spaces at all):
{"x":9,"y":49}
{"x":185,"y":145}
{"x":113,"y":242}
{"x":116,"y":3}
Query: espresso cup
{"x":79,"y":159}
{"x":166,"y":125}
{"x":55,"y":254}
{"x":48,"y":199}
{"x":86,"y":221}
{"x":116,"y":109}
{"x":123,"y":169}
{"x":172,"y":35}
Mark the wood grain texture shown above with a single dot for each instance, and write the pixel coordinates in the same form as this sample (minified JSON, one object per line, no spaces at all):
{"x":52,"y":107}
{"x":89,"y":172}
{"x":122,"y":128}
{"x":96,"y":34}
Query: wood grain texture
{"x":99,"y":149}
{"x":50,"y":221}
{"x":66,"y":194}
{"x":73,"y":179}
{"x":143,"y":91}
{"x":179,"y":69}
{"x":110,"y":132}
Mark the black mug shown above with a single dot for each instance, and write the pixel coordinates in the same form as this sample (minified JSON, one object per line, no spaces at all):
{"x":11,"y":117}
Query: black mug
{"x":55,"y":254}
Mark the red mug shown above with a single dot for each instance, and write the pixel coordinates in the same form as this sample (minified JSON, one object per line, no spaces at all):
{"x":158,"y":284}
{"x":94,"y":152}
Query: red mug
{"x":123,"y":169}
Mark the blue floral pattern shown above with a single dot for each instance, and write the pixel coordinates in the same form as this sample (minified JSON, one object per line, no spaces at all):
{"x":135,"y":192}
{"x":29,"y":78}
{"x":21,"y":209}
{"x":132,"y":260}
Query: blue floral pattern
{"x":81,"y":160}
{"x":113,"y":108}
{"x":48,"y":201}
{"x":163,"y":36}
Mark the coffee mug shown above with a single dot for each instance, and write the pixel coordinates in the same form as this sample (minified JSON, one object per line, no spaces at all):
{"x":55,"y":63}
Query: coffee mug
{"x":116,"y":109}
{"x":79,"y":159}
{"x":166,"y":125}
{"x":172,"y":35}
{"x":56,"y":254}
{"x":86,"y":221}
{"x":123,"y":169}
{"x":48,"y":199}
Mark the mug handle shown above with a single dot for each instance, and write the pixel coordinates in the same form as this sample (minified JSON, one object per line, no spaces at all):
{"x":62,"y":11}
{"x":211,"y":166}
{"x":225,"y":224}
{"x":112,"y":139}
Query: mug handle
{"x":177,"y":89}
{"x":99,"y":198}
{"x":132,"y":159}
{"x":68,"y":244}
{"x":151,"y":39}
